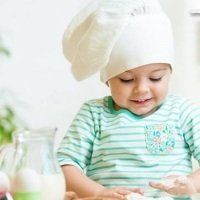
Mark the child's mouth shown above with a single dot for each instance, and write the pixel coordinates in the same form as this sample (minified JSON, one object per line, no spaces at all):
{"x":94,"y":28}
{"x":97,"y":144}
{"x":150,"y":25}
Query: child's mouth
{"x":141,"y":101}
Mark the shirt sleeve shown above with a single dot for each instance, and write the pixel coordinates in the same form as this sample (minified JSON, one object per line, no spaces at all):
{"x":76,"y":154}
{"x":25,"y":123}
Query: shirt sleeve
{"x":190,"y":123}
{"x":77,"y":145}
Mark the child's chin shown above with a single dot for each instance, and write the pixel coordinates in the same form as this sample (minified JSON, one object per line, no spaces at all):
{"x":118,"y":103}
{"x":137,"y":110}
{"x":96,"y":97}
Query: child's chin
{"x":143,"y":113}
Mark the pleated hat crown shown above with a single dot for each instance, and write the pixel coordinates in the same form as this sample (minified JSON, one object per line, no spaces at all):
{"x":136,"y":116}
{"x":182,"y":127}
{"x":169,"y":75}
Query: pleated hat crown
{"x":113,"y":36}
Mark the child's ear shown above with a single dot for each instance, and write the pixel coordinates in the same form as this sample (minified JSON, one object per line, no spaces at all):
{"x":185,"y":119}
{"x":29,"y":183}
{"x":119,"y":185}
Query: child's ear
{"x":171,"y":69}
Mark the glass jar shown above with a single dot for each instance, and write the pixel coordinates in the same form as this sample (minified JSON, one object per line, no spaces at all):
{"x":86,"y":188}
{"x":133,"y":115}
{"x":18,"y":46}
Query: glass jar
{"x":34,"y":172}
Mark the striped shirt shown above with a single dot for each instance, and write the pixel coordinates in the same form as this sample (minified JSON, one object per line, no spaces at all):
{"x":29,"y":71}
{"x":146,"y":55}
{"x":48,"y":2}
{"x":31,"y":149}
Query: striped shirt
{"x":119,"y":148}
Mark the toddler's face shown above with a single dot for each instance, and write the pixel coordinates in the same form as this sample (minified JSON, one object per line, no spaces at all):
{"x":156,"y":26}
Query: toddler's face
{"x":142,"y":89}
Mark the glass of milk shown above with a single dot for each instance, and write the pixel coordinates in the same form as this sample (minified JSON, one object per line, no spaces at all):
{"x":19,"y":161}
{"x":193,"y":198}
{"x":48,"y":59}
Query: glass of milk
{"x":34,"y":172}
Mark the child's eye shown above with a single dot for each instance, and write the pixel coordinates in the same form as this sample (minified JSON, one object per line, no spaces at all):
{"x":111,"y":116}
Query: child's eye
{"x":126,"y":80}
{"x":155,"y":79}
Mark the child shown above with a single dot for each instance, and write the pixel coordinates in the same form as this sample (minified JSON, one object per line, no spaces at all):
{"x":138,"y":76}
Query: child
{"x":139,"y":139}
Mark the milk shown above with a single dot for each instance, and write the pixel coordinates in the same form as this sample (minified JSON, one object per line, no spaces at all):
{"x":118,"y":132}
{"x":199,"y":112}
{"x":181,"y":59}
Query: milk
{"x":29,"y":185}
{"x":53,"y":187}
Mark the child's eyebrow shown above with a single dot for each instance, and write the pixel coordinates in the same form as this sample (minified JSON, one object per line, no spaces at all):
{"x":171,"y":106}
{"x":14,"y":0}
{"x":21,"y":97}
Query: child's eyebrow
{"x":127,"y":72}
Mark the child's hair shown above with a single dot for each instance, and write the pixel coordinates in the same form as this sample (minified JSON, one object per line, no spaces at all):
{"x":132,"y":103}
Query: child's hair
{"x":117,"y":35}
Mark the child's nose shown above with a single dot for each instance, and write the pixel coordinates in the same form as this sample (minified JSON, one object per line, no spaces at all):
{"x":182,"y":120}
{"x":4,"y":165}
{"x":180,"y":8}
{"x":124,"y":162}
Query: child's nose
{"x":141,"y":88}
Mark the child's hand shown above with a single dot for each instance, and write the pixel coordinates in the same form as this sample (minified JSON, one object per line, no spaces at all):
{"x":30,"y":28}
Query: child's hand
{"x":118,"y":192}
{"x":175,"y":185}
{"x":106,"y":194}
{"x":71,"y":196}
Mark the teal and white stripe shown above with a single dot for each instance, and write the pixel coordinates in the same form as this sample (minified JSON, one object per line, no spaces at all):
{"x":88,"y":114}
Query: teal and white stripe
{"x":115,"y":149}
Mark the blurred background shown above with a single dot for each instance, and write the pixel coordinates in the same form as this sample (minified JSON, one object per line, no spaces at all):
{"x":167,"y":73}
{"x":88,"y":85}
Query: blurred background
{"x":35,"y":79}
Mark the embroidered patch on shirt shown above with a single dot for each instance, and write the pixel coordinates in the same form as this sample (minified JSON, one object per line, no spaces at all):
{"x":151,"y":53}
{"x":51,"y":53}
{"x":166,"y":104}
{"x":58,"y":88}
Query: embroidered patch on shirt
{"x":160,"y":138}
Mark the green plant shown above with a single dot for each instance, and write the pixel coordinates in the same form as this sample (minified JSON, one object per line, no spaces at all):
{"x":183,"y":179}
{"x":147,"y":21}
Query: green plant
{"x":7,"y":124}
{"x":3,"y":49}
{"x":8,"y":120}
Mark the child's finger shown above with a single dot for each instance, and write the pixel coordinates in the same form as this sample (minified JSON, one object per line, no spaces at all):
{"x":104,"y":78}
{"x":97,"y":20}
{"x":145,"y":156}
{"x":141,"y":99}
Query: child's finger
{"x":158,"y":185}
{"x":116,"y":195}
{"x":70,"y":196}
{"x":126,"y":190}
{"x":123,"y":191}
{"x":137,"y":190}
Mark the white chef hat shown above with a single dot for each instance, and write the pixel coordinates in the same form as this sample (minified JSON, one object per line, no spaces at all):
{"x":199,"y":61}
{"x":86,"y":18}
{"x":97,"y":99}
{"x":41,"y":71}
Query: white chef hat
{"x":113,"y":36}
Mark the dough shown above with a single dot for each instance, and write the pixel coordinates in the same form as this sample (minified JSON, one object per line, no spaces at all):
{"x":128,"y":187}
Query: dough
{"x":136,"y":196}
